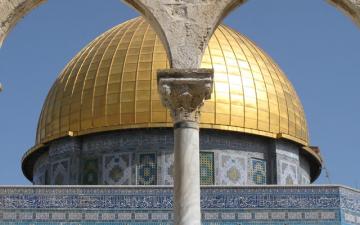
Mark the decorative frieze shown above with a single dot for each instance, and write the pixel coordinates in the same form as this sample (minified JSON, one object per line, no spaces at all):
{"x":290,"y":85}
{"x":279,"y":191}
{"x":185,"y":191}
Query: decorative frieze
{"x":156,"y":198}
{"x":263,"y":204}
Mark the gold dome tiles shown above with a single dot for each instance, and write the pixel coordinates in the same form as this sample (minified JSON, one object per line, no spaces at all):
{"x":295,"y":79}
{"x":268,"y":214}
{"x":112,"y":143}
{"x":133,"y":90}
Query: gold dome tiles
{"x":111,"y":84}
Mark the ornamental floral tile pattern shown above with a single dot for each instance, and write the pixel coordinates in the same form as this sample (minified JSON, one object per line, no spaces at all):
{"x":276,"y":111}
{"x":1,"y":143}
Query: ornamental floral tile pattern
{"x":206,"y":168}
{"x":60,"y":172}
{"x":90,"y":172}
{"x":147,"y":169}
{"x":233,"y":169}
{"x":117,"y":169}
{"x":289,"y":173}
{"x":258,"y":171}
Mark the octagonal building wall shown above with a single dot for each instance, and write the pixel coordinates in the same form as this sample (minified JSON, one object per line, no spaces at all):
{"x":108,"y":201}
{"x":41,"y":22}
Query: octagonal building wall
{"x":145,"y":157}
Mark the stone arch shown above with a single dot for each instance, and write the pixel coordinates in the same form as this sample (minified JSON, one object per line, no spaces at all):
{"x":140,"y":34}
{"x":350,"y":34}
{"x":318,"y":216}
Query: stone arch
{"x":11,"y":11}
{"x":350,"y":7}
{"x":196,"y":20}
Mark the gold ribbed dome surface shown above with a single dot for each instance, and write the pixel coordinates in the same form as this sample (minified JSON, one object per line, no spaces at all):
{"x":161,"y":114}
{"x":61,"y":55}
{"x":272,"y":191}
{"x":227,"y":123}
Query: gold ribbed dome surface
{"x":111,"y":84}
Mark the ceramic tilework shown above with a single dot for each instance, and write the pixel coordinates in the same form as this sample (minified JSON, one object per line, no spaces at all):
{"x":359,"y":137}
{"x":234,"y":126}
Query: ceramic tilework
{"x":304,"y":172}
{"x":90,"y":171}
{"x":40,"y":177}
{"x":64,"y":146}
{"x":288,"y":163}
{"x":350,"y":203}
{"x":60,"y":172}
{"x":41,"y":171}
{"x":233,"y":168}
{"x":288,"y":175}
{"x":296,"y":205}
{"x":206,"y":168}
{"x":160,"y":141}
{"x":117,"y":169}
{"x":352,"y":218}
{"x":257,"y":171}
{"x":147,"y":169}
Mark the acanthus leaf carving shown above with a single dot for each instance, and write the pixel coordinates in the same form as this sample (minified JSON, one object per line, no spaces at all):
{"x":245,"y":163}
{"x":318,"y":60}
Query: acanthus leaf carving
{"x":184,"y":92}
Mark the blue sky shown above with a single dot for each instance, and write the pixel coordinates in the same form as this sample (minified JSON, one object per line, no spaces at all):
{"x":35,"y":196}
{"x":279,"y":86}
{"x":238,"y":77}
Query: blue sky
{"x":315,"y":44}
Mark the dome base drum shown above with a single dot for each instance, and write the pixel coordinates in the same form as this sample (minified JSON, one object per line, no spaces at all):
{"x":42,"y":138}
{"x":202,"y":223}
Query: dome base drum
{"x":145,"y":157}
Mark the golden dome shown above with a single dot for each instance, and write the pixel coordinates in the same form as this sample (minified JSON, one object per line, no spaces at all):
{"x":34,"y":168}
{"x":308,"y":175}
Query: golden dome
{"x":111,"y":84}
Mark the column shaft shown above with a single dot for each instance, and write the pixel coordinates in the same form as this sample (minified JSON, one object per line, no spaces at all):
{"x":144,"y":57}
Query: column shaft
{"x":187,"y":175}
{"x":184,"y":92}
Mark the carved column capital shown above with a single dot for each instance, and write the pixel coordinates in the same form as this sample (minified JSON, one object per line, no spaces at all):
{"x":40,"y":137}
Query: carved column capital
{"x":184,"y":91}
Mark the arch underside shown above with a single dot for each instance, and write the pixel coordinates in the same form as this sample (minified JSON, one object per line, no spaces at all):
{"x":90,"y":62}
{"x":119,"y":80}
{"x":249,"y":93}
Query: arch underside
{"x":12,"y":11}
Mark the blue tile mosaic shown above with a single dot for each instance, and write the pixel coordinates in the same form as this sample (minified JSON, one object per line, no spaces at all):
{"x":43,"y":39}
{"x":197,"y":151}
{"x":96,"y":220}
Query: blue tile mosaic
{"x":271,"y":205}
{"x":206,"y":168}
{"x":90,"y":176}
{"x":147,"y":171}
{"x":258,"y":171}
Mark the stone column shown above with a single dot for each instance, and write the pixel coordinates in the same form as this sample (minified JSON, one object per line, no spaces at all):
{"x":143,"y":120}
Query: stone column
{"x":184,"y":92}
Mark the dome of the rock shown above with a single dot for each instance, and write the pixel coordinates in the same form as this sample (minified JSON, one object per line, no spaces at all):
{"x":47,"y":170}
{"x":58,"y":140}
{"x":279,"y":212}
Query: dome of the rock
{"x":106,"y":101}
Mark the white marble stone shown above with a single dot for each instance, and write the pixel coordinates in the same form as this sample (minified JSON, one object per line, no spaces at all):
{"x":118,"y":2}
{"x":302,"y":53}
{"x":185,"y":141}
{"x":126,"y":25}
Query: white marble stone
{"x":184,"y":92}
{"x":187,"y":177}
